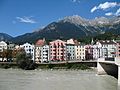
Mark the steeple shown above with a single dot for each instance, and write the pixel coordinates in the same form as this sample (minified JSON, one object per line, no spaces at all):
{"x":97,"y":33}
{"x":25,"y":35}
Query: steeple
{"x":44,"y":41}
{"x":92,"y":42}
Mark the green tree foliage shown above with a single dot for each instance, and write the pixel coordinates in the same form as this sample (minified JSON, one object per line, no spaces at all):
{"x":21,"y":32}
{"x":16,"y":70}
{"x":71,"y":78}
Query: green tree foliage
{"x":24,"y":61}
{"x":107,"y":36}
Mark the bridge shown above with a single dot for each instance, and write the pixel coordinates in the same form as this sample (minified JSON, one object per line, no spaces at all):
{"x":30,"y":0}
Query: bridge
{"x":110,"y":67}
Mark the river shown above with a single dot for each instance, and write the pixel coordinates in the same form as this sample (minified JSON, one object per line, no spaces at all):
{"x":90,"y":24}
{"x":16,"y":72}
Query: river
{"x":15,"y":79}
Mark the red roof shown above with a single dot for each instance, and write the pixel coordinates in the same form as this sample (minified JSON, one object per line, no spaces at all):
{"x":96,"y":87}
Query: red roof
{"x":40,"y":42}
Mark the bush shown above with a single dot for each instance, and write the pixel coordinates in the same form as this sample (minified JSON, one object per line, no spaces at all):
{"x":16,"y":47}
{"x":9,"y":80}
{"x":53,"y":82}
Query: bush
{"x":24,"y":61}
{"x":5,"y":66}
{"x":27,"y":64}
{"x":49,"y":66}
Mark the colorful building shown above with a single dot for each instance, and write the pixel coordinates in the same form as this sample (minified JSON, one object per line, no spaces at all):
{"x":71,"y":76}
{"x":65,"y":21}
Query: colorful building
{"x":57,"y":50}
{"x":88,"y":52}
{"x":117,"y":48}
{"x":80,"y":52}
{"x":70,"y":49}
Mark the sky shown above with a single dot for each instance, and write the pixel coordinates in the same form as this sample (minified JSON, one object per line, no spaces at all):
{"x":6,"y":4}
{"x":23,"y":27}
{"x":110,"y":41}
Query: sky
{"x":18,"y":17}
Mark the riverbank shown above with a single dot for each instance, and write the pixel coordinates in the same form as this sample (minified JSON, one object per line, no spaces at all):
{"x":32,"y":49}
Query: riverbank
{"x":74,"y":66}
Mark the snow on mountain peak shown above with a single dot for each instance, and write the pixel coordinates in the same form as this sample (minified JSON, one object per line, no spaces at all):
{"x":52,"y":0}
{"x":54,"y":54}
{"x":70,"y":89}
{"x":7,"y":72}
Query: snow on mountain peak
{"x":75,"y":19}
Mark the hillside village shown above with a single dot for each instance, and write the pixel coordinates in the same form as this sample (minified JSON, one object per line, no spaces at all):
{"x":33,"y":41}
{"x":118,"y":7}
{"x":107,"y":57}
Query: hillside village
{"x":60,"y":50}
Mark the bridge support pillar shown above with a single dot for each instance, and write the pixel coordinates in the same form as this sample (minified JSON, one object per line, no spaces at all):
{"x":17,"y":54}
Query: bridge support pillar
{"x":100,"y":69}
{"x":119,"y":74}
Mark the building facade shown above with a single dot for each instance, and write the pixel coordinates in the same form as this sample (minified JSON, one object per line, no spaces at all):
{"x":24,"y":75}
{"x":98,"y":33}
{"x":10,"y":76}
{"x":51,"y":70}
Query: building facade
{"x":29,"y":49}
{"x":88,"y":52}
{"x":117,"y":48}
{"x":96,"y":52}
{"x":107,"y":48}
{"x":3,"y":47}
{"x":80,"y":52}
{"x":11,"y":46}
{"x":45,"y":53}
{"x":57,"y":50}
{"x":38,"y":48}
{"x":70,"y":51}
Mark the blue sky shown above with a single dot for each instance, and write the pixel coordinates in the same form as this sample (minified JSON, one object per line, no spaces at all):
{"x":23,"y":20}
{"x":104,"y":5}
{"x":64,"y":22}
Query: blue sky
{"x":21,"y":16}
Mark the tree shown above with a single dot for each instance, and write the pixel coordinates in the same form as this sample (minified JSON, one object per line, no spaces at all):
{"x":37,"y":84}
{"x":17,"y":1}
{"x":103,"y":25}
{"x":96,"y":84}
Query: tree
{"x":24,"y":61}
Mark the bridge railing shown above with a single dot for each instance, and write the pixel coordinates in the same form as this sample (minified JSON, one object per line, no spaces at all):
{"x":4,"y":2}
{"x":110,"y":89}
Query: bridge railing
{"x":117,"y":60}
{"x":109,"y":59}
{"x":106,"y":60}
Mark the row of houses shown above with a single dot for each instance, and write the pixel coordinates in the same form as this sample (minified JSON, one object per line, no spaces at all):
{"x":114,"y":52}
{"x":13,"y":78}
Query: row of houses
{"x":59,"y":50}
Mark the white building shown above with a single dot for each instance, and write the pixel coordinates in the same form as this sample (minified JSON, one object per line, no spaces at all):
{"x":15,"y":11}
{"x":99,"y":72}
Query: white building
{"x":11,"y":46}
{"x":107,"y":48}
{"x":45,"y":53}
{"x":70,"y":41}
{"x":29,"y":49}
{"x":96,"y":52}
{"x":3,"y":45}
{"x":38,"y":48}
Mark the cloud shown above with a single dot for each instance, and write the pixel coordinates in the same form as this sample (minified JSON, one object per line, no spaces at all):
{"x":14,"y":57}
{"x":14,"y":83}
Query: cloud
{"x":26,"y":19}
{"x":117,"y":12}
{"x":109,"y":14}
{"x":93,"y":9}
{"x":104,"y":6}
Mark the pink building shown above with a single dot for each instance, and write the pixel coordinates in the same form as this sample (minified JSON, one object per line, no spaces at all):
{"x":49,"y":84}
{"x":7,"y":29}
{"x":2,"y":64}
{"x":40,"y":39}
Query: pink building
{"x":118,"y":48}
{"x":57,"y":50}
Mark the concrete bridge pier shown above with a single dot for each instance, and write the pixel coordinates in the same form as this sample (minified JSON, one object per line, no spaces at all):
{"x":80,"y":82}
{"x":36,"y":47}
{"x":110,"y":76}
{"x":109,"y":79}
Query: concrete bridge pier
{"x":100,"y":68}
{"x":108,"y":67}
{"x":117,"y":62}
{"x":119,"y":74}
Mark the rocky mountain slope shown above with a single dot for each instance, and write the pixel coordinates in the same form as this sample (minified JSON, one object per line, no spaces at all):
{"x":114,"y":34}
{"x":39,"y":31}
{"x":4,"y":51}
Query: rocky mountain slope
{"x":73,"y":27}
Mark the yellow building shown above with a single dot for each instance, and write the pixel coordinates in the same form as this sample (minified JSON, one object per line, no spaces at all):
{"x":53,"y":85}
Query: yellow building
{"x":80,"y":52}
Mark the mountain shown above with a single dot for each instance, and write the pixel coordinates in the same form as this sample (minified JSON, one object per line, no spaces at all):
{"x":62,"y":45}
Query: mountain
{"x":69,"y":27}
{"x":5,"y":37}
{"x":72,"y":27}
